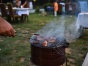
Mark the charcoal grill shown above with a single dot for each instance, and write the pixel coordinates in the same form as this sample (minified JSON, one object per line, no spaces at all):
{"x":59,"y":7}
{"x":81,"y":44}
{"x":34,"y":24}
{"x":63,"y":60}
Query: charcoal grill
{"x":52,"y":55}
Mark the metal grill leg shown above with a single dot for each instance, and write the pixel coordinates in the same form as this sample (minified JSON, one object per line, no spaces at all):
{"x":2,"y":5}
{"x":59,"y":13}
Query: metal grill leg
{"x":65,"y":64}
{"x":66,"y":61}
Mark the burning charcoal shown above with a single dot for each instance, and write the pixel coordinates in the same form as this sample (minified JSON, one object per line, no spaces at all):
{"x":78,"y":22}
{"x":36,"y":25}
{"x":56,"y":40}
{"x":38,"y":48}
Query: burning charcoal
{"x":44,"y":43}
{"x":51,"y":39}
{"x":39,"y":38}
{"x":48,"y":42}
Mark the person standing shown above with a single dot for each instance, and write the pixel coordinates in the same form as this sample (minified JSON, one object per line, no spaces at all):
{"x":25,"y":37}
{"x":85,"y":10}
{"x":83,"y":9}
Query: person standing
{"x":31,"y":5}
{"x":55,"y":8}
{"x":63,"y":9}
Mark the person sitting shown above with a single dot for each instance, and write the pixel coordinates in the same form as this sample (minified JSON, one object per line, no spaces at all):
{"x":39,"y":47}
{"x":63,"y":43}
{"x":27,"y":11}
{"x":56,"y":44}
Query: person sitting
{"x":6,"y":28}
{"x":18,"y":3}
{"x":24,"y":3}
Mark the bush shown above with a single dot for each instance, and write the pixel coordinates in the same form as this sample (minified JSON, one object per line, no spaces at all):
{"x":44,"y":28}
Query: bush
{"x":37,"y":9}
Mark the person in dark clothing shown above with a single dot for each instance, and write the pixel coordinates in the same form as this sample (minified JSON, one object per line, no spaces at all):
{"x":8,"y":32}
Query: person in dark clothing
{"x":24,"y":3}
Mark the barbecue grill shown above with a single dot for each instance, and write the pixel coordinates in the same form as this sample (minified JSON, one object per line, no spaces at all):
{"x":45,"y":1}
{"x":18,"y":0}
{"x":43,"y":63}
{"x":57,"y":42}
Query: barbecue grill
{"x":48,"y":51}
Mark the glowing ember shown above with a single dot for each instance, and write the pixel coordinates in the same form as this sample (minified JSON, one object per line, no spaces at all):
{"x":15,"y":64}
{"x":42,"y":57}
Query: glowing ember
{"x":44,"y":43}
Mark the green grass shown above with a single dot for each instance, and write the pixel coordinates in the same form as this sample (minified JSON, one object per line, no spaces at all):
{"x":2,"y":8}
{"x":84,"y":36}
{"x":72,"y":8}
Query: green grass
{"x":16,"y":51}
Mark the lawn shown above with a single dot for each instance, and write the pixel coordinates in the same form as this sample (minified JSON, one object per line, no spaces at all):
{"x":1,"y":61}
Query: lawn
{"x":16,"y":51}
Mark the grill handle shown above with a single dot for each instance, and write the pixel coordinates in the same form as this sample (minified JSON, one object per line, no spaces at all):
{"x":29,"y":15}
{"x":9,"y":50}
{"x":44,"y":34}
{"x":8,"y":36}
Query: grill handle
{"x":66,"y":45}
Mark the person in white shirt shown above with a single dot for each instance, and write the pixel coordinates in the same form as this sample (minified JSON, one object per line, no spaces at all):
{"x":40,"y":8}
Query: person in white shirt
{"x":30,"y":5}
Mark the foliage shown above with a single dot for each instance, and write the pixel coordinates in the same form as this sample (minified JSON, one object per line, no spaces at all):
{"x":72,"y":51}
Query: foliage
{"x":37,"y":9}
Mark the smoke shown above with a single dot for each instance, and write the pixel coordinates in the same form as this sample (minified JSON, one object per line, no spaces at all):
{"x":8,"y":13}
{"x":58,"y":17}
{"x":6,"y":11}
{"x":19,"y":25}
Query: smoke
{"x":63,"y":27}
{"x":71,"y":32}
{"x":54,"y":28}
{"x":60,"y":29}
